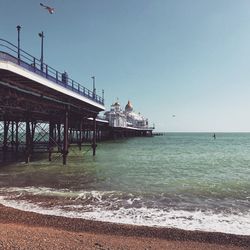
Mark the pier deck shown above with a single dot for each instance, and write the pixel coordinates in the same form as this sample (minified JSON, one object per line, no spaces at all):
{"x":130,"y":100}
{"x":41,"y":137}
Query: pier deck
{"x":33,"y":94}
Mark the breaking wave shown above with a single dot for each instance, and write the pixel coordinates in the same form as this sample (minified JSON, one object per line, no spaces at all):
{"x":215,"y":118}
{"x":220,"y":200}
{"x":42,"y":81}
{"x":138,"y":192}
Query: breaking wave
{"x":117,"y":207}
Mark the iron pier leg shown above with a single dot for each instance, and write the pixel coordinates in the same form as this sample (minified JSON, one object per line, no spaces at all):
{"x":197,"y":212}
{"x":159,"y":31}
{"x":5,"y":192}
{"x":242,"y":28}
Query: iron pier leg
{"x":17,"y":142}
{"x":66,"y":137}
{"x":70,"y":135}
{"x":5,"y":139}
{"x":88,"y":135}
{"x":80,"y":135}
{"x":12,"y":135}
{"x":59,"y":135}
{"x":74,"y":134}
{"x":94,"y":135}
{"x":98,"y":135}
{"x":33,"y":129}
{"x":77,"y":136}
{"x":51,"y":133}
{"x":28,"y":142}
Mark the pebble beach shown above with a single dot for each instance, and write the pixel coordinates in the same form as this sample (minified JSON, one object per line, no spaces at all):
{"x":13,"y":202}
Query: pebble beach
{"x":28,"y":230}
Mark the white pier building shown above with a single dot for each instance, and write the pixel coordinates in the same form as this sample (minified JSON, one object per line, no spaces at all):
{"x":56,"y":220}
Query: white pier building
{"x":125,"y":118}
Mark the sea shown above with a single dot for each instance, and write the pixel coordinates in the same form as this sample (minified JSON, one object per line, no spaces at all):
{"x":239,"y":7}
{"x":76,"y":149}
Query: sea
{"x":189,"y":181}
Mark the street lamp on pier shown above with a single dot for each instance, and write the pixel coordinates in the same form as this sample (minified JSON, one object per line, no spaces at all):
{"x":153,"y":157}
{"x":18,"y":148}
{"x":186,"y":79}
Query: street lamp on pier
{"x":18,"y":42}
{"x":94,"y":89}
{"x":42,"y":36}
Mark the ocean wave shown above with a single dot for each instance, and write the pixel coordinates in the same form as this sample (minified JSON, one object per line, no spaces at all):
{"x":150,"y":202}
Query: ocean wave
{"x":108,"y":206}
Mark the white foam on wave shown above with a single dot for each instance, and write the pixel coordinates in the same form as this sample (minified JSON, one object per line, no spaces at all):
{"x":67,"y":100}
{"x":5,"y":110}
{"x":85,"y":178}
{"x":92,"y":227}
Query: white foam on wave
{"x":81,"y":194}
{"x":188,"y":220}
{"x":38,"y":191}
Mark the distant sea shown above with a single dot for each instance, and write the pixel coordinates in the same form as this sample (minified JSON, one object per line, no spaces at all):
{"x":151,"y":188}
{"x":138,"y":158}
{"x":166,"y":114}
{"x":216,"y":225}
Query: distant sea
{"x":181,"y":180}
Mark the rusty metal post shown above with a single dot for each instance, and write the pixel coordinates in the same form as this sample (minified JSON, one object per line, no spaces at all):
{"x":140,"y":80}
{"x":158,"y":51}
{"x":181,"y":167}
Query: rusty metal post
{"x":66,"y":137}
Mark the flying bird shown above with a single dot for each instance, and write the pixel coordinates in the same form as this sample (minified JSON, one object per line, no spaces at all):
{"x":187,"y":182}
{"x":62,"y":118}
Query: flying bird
{"x":49,"y":9}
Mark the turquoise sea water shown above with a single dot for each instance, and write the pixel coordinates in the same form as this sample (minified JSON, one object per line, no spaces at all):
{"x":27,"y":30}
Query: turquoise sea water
{"x":183,"y":180}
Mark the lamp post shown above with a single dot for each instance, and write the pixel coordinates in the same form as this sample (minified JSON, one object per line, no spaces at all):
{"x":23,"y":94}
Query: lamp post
{"x":103,"y":96}
{"x":18,"y":42}
{"x":42,"y":36}
{"x":94,"y":89}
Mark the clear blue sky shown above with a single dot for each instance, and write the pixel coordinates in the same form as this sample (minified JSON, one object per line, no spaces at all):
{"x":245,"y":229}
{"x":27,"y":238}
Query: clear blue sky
{"x":188,"y":58}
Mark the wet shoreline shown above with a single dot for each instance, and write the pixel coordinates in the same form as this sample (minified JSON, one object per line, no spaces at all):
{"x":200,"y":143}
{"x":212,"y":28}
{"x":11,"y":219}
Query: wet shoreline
{"x":129,"y":210}
{"x":14,"y":216}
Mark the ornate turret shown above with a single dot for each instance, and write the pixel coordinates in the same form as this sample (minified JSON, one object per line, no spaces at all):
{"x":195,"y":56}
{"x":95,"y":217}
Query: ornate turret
{"x":116,"y":106}
{"x":129,"y":107}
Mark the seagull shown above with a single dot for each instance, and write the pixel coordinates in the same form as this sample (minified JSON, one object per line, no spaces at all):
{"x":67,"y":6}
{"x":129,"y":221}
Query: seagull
{"x":49,"y":9}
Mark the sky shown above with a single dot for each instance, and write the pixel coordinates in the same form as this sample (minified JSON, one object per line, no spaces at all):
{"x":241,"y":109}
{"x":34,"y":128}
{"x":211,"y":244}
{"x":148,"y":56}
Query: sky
{"x":184,"y":64}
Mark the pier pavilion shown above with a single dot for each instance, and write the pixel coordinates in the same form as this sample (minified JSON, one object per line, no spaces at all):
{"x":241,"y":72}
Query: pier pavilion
{"x":42,"y":108}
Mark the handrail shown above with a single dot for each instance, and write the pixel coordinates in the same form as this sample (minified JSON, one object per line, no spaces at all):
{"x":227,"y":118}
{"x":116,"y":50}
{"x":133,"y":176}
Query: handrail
{"x":9,"y":52}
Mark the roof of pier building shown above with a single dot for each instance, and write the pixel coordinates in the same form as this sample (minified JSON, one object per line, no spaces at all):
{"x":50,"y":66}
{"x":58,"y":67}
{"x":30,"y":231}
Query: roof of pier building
{"x":129,"y":107}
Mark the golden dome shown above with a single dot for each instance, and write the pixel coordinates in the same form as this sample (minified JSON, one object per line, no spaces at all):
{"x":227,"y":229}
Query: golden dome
{"x":129,"y":107}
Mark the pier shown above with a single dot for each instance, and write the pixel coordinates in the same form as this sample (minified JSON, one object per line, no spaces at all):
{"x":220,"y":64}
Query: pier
{"x":43,"y":110}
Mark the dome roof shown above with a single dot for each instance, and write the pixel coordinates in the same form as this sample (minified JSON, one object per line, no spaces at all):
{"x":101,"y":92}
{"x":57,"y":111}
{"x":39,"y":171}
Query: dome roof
{"x":129,"y":106}
{"x":116,"y":103}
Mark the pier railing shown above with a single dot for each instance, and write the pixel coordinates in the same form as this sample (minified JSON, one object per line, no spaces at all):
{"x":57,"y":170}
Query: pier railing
{"x":10,"y":52}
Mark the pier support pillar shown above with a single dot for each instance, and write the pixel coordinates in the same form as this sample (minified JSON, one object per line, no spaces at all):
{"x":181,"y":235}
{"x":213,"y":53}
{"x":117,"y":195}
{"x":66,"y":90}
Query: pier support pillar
{"x":87,"y":135}
{"x":28,"y":142}
{"x":33,"y":129}
{"x":16,"y":140}
{"x":51,"y":136}
{"x":12,"y":136}
{"x":5,"y":139}
{"x":65,"y":137}
{"x":94,"y":136}
{"x":59,"y":136}
{"x":70,"y":136}
{"x":80,"y":134}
